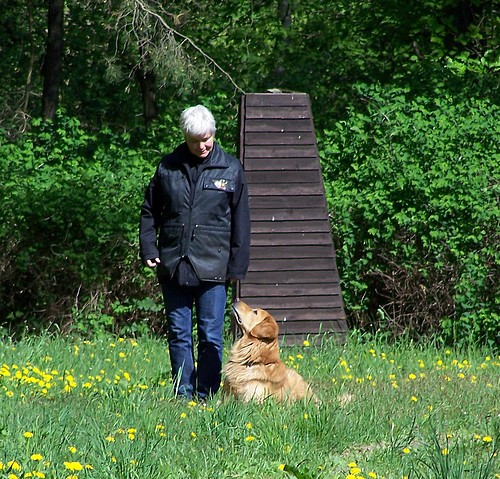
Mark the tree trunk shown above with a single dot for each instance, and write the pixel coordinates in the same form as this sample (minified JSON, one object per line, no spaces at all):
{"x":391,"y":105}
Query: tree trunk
{"x":285,"y":17}
{"x":149,"y":106}
{"x":52,"y":65}
{"x":285,"y":13}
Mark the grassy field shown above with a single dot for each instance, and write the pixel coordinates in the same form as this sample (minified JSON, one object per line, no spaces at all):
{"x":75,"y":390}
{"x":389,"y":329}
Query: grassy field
{"x":103,"y":409}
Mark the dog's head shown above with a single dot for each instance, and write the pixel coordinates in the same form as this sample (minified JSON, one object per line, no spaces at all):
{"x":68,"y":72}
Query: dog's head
{"x":255,"y":322}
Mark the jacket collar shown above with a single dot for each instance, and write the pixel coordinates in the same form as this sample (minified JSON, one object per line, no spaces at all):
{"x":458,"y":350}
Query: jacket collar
{"x":217,"y":158}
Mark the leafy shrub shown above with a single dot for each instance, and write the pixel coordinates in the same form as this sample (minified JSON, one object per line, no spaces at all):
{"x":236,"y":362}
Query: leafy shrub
{"x":412,"y":185}
{"x":69,"y":222}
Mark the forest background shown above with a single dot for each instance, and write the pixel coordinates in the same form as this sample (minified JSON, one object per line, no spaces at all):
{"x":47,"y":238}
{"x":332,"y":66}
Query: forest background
{"x":405,"y":97}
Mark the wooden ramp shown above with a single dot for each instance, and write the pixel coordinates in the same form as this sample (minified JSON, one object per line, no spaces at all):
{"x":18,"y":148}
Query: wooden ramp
{"x":293,"y":272}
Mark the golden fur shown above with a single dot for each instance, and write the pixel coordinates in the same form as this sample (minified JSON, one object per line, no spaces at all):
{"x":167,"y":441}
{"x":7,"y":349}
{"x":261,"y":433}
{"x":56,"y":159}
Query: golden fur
{"x":254,"y":370}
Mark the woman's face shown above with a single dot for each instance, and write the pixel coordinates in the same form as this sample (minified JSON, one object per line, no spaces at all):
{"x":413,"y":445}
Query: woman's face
{"x":200,"y":145}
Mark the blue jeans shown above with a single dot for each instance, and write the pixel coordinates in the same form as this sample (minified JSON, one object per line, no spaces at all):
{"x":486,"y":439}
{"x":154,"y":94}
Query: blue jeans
{"x":201,"y":378}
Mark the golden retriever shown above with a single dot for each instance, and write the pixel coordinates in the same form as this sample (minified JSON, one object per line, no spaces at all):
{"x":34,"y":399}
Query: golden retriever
{"x":254,"y":370}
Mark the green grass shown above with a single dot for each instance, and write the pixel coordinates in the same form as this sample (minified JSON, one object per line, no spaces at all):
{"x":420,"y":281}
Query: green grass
{"x":103,"y":409}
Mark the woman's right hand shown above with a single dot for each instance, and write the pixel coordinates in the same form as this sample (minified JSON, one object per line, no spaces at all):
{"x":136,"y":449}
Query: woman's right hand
{"x":153,"y":263}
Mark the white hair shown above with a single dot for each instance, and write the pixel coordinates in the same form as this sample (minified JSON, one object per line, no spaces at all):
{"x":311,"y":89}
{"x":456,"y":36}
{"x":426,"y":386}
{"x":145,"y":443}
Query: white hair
{"x":197,"y":120}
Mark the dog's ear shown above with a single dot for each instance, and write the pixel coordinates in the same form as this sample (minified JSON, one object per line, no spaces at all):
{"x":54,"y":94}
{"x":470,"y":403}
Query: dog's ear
{"x":267,"y":329}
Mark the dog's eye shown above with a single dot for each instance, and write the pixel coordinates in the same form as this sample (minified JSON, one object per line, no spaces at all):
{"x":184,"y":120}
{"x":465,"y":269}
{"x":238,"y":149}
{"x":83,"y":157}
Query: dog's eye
{"x":254,"y":311}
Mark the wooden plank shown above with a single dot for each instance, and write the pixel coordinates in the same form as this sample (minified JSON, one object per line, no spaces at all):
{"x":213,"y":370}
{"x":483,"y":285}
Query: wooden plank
{"x":280,"y":138}
{"x":311,"y":326}
{"x":302,"y":314}
{"x":282,"y":264}
{"x":283,"y":239}
{"x":295,"y":202}
{"x":318,"y":289}
{"x":268,"y":251}
{"x":309,"y":226}
{"x":314,"y":302}
{"x":281,"y":151}
{"x":281,"y":112}
{"x":283,"y":176}
{"x":276,"y":125}
{"x":290,"y":214}
{"x":284,"y":189}
{"x":277,"y":99}
{"x":265,"y":278}
{"x":277,"y":163}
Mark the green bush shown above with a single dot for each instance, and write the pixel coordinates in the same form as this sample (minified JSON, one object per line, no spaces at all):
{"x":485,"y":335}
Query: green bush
{"x":69,"y":222}
{"x":412,"y":185}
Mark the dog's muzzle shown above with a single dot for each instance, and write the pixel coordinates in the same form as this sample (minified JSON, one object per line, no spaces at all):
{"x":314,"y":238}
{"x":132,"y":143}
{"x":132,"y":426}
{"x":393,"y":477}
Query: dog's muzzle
{"x":236,"y":315}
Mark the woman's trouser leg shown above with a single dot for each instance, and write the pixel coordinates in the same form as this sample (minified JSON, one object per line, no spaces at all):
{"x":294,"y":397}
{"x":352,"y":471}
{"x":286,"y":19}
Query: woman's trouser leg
{"x":178,"y":302}
{"x":210,"y":308}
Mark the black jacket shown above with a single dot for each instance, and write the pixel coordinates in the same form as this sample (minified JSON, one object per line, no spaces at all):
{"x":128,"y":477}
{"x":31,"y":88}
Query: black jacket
{"x":206,"y":221}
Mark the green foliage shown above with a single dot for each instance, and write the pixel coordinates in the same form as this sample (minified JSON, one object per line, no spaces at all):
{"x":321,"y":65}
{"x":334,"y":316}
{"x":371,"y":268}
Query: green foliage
{"x":406,"y":163}
{"x":412,"y":183}
{"x":70,"y":221}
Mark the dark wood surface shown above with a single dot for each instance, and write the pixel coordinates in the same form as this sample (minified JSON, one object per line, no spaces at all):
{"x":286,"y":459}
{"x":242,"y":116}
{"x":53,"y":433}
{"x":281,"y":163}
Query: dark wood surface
{"x":293,"y":272}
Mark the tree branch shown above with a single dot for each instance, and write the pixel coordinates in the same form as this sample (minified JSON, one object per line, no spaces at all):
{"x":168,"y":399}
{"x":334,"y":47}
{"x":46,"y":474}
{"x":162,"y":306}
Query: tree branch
{"x":190,"y":42}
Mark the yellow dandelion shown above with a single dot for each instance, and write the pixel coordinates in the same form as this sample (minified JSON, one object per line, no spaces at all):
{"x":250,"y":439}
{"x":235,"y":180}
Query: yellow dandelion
{"x":412,"y":376}
{"x":12,"y":476}
{"x":281,"y":467}
{"x":306,"y":343}
{"x":36,"y":457}
{"x":445,"y":451}
{"x":406,"y":450}
{"x":27,"y":434}
{"x":14,"y":466}
{"x":372,"y":474}
{"x":193,"y":435}
{"x":110,"y":438}
{"x":248,"y":425}
{"x":352,"y":464}
{"x":72,"y":449}
{"x":414,"y":399}
{"x":73,"y":466}
{"x":183,"y":415}
{"x":250,"y":438}
{"x":487,"y":439}
{"x":355,"y":471}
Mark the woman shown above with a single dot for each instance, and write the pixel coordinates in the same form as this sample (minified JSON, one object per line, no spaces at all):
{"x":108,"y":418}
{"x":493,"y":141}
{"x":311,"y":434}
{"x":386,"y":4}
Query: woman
{"x":195,"y":231}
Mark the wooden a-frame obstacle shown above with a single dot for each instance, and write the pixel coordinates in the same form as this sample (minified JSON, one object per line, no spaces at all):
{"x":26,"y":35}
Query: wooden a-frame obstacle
{"x":293,"y":272}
